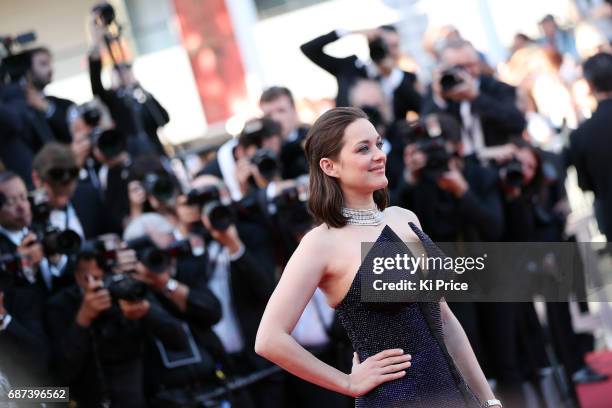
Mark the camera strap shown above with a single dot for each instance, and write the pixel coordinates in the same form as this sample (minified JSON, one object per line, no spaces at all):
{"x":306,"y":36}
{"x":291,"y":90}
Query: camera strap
{"x":181,"y":358}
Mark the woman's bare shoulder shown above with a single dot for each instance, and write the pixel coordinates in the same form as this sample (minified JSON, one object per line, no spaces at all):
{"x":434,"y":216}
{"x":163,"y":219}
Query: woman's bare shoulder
{"x":402,"y":214}
{"x":398,"y":218}
{"x":318,"y":238}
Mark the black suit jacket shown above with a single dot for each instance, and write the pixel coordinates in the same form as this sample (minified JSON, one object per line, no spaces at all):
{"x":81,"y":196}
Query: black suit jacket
{"x":25,"y":350}
{"x":348,"y":70}
{"x":292,"y":157}
{"x":104,"y":360}
{"x":590,"y":147}
{"x":202,"y":312}
{"x":496,"y":107}
{"x":92,"y":211}
{"x":150,"y":113}
{"x":16,"y":154}
{"x":252,"y":281}
{"x":58,"y":121}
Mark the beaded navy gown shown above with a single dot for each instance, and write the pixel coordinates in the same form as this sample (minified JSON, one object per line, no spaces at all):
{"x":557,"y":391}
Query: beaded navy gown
{"x":432,"y":380}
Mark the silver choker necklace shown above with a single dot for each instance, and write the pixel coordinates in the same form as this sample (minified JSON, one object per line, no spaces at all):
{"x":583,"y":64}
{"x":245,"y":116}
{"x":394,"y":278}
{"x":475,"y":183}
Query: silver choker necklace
{"x":370,"y":216}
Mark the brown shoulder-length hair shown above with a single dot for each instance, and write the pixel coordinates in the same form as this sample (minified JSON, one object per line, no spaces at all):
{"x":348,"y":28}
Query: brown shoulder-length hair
{"x":325,"y":139}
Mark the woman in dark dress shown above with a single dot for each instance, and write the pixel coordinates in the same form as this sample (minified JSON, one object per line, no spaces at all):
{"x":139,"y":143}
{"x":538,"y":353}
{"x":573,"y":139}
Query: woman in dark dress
{"x":406,"y":355}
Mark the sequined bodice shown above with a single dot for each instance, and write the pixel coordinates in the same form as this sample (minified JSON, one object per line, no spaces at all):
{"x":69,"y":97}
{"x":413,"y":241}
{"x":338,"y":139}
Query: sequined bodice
{"x":432,"y":381}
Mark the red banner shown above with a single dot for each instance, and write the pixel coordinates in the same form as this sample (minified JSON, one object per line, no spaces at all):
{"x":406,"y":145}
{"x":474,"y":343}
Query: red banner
{"x":208,"y":36}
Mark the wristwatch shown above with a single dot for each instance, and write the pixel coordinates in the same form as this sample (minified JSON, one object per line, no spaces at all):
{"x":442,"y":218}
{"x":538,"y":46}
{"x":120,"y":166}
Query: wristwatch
{"x":171,"y":285}
{"x":492,"y":403}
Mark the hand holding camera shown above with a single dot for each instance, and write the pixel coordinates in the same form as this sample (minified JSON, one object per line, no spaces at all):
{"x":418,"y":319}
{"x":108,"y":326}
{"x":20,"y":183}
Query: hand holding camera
{"x":155,"y":280}
{"x":31,"y":251}
{"x":227,"y":237}
{"x":96,"y":300}
{"x":453,"y":180}
{"x":454,"y":84}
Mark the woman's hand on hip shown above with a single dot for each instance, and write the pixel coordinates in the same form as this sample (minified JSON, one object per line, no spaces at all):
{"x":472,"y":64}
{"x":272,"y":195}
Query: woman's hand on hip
{"x":382,"y":367}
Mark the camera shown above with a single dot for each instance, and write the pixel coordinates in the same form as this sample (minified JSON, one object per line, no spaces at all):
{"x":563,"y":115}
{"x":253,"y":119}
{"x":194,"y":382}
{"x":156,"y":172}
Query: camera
{"x":217,"y":208}
{"x":53,"y":240}
{"x":512,"y":173}
{"x":14,"y":66}
{"x":203,"y":195}
{"x":90,"y":114}
{"x":155,"y":259}
{"x":378,"y":49}
{"x":293,"y":215}
{"x":161,"y":186}
{"x":429,"y":139}
{"x":450,"y":78}
{"x":266,"y":162}
{"x":105,"y":12}
{"x":124,"y":287}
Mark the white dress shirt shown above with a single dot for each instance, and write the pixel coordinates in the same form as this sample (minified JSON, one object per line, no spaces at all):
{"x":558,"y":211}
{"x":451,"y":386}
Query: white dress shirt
{"x":228,"y":328}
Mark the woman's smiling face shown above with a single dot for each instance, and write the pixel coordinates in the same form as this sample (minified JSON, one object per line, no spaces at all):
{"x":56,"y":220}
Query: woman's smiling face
{"x":361,"y":163}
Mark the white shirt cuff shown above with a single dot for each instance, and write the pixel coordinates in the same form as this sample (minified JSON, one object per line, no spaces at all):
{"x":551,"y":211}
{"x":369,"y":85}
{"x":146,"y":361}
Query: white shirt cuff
{"x":238,"y":254}
{"x":5,"y":322}
{"x":340,"y":32}
{"x":271,"y":190}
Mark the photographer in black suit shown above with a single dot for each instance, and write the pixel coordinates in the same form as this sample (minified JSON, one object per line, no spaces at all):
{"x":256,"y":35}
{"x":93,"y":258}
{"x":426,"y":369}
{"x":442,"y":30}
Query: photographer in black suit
{"x":455,"y":199}
{"x":250,"y":162}
{"x":28,"y":117}
{"x":135,"y":111}
{"x":54,"y":109}
{"x":25,"y":352}
{"x":485,"y":107}
{"x":277,"y":103}
{"x":177,"y":376}
{"x":74,"y":206}
{"x":46,"y":271}
{"x":398,"y":85}
{"x":240,"y":272}
{"x":590,"y":144}
{"x":98,"y":339}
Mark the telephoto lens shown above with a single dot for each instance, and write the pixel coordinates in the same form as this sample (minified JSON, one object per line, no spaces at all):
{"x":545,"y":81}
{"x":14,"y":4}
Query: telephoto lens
{"x":266,"y":162}
{"x":450,"y":78}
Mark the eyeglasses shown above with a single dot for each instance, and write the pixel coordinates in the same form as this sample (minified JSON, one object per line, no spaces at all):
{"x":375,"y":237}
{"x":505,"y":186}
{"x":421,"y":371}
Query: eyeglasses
{"x":62,"y":175}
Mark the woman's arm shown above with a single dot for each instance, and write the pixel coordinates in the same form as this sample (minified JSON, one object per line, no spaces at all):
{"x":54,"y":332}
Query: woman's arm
{"x":461,"y":351}
{"x":274,"y":342}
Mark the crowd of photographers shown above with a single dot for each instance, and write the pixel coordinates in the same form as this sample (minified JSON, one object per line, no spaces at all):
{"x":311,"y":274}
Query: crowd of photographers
{"x":136,"y":286}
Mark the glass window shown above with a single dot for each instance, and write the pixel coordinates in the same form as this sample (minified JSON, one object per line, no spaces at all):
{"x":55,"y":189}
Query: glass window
{"x":269,"y":8}
{"x":150,"y":23}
